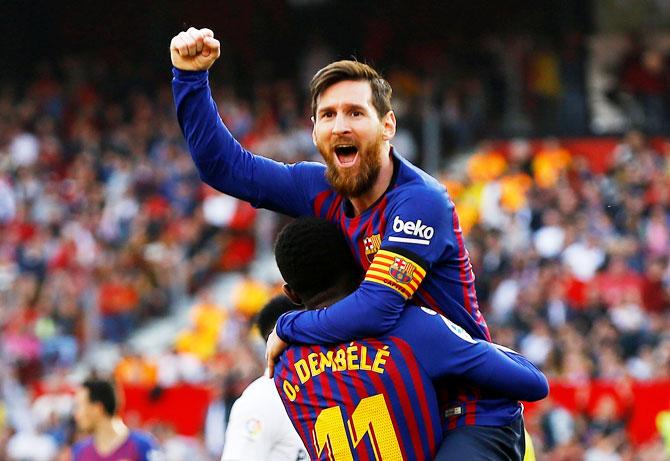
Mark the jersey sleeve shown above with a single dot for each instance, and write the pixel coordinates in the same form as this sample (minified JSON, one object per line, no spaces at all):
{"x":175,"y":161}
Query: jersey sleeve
{"x":225,"y":165}
{"x":369,"y":311}
{"x":418,"y":233}
{"x":421,"y":223}
{"x":147,"y":446}
{"x":77,"y":449}
{"x":446,"y":350}
{"x":249,"y":434}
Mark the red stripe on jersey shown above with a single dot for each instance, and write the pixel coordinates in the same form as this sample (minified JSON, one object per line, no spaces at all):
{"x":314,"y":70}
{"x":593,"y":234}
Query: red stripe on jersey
{"x":328,"y":396}
{"x":359,"y":387}
{"x":360,"y":450}
{"x":353,"y":224}
{"x":405,"y":403}
{"x":471,"y":409}
{"x":442,"y":393}
{"x":452,"y":422}
{"x":427,"y":300}
{"x":375,"y":445}
{"x":311,"y":398}
{"x":333,"y":208}
{"x":413,"y":368}
{"x":325,"y":384}
{"x":382,"y":215}
{"x":461,"y":256}
{"x":319,"y":201}
{"x":298,"y":411}
{"x":469,"y":294}
{"x":349,"y":404}
{"x":369,"y":226}
{"x":465,"y":401}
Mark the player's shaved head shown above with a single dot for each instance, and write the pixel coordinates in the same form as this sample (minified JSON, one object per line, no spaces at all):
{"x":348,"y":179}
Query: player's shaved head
{"x":314,"y":258}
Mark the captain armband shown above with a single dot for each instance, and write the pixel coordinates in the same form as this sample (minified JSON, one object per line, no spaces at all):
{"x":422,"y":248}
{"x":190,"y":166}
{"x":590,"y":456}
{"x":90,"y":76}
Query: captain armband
{"x":396,"y":271}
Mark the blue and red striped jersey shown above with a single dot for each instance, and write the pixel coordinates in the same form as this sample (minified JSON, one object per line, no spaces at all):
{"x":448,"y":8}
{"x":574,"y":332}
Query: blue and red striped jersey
{"x":409,"y":242}
{"x":139,"y":446}
{"x":348,"y":401}
{"x":374,"y":399}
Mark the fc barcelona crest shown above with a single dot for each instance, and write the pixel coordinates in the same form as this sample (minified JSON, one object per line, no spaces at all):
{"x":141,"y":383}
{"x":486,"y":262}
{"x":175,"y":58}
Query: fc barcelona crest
{"x":401,"y":270}
{"x":372,"y":245}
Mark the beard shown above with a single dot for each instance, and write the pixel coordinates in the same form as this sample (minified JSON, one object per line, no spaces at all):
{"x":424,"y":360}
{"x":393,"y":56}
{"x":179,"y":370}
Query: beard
{"x":350,"y":182}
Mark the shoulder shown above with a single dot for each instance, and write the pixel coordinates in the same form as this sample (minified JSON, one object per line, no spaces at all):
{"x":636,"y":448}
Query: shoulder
{"x":414,"y":315}
{"x":259,"y":398}
{"x":258,"y":414}
{"x":414,"y":186}
{"x":262,"y":387}
{"x":418,"y":193}
{"x":79,"y":447}
{"x":306,"y":168}
{"x":415,"y":179}
{"x":143,"y":440}
{"x":311,"y":175}
{"x":419,"y":324}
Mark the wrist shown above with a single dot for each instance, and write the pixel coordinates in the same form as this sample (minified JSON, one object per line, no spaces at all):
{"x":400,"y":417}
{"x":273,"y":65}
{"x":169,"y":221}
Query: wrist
{"x":189,"y":75}
{"x":279,"y":328}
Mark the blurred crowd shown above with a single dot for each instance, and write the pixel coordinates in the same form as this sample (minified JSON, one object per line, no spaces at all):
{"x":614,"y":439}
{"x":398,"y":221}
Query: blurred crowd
{"x":572,"y":270}
{"x":106,"y":226}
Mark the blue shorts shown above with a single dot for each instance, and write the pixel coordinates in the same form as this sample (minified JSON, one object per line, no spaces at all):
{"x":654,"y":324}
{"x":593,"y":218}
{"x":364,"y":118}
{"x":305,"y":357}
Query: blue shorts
{"x":484,"y":443}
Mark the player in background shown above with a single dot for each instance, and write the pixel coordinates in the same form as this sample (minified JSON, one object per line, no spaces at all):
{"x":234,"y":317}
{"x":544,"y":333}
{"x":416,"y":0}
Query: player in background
{"x":374,"y":398}
{"x":259,"y":428}
{"x":111,"y":440}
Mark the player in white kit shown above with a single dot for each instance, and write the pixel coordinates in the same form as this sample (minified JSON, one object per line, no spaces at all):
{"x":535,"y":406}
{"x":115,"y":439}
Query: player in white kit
{"x":259,"y":428}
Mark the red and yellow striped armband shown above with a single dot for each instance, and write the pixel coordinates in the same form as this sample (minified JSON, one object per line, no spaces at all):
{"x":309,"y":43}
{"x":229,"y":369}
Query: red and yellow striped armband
{"x":395,"y":271}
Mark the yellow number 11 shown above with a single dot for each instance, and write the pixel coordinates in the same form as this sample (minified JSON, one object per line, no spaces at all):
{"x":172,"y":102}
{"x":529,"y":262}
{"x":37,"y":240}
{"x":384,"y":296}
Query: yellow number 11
{"x":371,"y":417}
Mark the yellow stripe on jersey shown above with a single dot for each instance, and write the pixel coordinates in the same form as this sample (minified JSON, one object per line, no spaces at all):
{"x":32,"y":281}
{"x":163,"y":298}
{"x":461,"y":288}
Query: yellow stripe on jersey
{"x":396,"y":271}
{"x":529,"y":455}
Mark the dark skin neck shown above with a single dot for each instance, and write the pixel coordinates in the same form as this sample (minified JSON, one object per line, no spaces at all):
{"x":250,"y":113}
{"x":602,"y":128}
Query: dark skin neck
{"x":329,"y":297}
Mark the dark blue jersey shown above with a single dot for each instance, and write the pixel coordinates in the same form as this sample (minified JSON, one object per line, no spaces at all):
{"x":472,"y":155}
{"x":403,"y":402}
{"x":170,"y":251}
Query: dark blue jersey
{"x":374,"y":398}
{"x":409,"y":242}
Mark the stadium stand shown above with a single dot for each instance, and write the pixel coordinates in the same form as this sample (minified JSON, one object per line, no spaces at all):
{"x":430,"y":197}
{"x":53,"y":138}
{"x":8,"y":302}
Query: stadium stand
{"x":106,"y":230}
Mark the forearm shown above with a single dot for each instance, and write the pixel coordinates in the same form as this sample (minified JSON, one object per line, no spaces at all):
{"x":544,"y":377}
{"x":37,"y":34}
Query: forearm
{"x":215,"y":152}
{"x":221,"y":161}
{"x":370,"y":311}
{"x":511,"y":375}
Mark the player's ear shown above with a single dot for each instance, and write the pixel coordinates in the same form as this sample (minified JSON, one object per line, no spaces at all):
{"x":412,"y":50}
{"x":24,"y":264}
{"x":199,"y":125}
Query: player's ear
{"x":388,"y":126}
{"x":292,"y":295}
{"x":313,"y":130}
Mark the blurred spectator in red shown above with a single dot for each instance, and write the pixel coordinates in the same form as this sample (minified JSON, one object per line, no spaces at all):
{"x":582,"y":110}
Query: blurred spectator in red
{"x":118,"y":299}
{"x":647,"y":81}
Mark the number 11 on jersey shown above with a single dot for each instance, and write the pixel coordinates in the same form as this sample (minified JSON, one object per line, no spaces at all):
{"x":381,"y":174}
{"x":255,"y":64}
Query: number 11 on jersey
{"x":370,"y":417}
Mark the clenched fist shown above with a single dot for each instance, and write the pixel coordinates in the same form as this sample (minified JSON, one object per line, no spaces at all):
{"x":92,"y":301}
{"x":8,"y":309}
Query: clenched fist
{"x":195,"y":49}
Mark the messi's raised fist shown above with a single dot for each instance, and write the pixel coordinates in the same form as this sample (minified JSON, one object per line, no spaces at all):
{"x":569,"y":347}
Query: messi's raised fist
{"x":194,"y":49}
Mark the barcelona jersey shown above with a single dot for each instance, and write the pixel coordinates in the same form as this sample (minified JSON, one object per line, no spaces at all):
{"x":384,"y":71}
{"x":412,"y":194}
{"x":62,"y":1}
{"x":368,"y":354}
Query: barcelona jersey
{"x":409,"y":242}
{"x":139,"y":446}
{"x":349,"y":402}
{"x":374,"y":398}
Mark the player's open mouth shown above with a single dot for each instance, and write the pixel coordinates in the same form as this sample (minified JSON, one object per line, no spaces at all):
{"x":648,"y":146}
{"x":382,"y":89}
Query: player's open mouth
{"x":346,"y":154}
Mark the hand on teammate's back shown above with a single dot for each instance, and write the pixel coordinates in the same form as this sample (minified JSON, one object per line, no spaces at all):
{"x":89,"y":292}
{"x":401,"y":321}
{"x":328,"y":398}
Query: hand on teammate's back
{"x":273,"y":349}
{"x":195,"y":49}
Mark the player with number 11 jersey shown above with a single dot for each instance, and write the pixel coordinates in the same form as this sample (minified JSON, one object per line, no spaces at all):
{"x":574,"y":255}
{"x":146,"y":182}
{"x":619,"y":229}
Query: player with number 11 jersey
{"x":374,"y":398}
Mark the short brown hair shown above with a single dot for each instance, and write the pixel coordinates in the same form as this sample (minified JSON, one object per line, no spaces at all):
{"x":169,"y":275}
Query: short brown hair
{"x":339,"y":71}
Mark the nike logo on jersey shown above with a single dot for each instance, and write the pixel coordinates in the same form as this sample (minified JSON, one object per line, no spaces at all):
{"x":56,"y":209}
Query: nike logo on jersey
{"x":418,"y":232}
